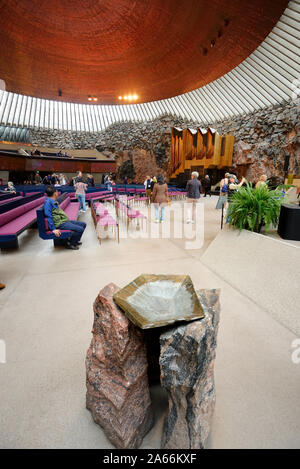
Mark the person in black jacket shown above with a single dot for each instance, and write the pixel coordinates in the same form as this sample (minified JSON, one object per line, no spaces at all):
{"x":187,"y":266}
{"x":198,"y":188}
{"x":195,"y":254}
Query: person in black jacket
{"x":207,"y":185}
{"x":193,"y":192}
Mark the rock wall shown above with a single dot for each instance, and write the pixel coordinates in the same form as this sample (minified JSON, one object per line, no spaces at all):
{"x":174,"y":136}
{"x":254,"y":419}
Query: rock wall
{"x":264,"y":138}
{"x":140,"y":148}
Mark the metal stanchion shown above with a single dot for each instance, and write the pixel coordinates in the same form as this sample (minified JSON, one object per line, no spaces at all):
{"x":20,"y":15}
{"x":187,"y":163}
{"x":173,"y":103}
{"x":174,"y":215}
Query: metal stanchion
{"x":222,"y":216}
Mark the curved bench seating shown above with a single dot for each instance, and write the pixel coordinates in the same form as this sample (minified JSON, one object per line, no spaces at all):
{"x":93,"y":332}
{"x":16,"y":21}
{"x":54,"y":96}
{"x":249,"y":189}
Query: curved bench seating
{"x":7,"y":201}
{"x":18,"y":201}
{"x":17,"y":220}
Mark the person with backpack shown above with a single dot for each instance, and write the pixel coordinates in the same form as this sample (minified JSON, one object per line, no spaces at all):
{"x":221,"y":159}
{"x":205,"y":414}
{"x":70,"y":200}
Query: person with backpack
{"x":224,"y":187}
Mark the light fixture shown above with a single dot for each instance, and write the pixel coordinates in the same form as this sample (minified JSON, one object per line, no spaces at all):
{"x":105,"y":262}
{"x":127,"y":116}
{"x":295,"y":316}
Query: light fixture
{"x":95,"y":98}
{"x":128,"y":97}
{"x":89,"y":97}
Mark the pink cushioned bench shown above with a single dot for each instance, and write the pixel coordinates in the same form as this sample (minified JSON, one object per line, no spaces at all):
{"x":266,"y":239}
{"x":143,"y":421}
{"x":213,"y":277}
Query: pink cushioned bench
{"x":122,"y":209}
{"x":17,"y":220}
{"x":102,"y":218}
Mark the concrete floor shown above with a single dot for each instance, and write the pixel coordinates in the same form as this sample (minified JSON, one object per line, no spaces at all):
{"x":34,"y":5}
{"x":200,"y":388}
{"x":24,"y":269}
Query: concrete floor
{"x":46,"y":318}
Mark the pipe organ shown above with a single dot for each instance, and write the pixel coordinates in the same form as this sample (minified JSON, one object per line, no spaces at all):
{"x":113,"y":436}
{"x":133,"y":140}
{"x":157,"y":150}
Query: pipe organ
{"x":201,"y":147}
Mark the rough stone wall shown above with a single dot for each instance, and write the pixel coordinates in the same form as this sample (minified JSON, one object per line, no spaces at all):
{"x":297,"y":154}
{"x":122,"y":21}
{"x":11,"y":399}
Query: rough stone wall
{"x":140,"y":148}
{"x":263,"y":138}
{"x":63,"y":139}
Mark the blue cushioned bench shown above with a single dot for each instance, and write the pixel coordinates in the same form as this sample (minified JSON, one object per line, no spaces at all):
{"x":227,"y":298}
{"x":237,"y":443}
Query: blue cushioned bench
{"x":71,"y":209}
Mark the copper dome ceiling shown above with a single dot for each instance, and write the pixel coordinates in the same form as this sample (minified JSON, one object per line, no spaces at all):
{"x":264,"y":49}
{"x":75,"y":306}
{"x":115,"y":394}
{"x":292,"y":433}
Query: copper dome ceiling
{"x":154,"y":48}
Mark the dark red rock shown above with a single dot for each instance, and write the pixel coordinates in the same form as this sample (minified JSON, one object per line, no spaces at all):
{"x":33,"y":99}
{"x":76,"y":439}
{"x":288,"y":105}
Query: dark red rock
{"x":117,"y":383}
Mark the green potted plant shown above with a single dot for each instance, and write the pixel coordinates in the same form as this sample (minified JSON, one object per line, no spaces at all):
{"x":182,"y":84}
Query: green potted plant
{"x":251,"y":208}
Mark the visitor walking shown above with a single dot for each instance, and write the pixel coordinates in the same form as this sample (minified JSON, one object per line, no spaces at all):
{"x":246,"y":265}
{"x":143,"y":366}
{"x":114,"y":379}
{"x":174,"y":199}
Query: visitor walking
{"x":193,"y":193}
{"x":160,"y":198}
{"x":207,"y":185}
{"x":80,"y":190}
{"x":147,"y":185}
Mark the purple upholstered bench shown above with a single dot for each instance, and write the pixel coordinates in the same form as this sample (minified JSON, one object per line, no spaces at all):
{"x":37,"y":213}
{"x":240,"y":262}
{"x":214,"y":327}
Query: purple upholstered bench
{"x":7,"y":201}
{"x":17,"y":220}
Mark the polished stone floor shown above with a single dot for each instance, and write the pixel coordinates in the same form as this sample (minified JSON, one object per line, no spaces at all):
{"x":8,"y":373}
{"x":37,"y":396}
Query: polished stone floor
{"x":46,"y":318}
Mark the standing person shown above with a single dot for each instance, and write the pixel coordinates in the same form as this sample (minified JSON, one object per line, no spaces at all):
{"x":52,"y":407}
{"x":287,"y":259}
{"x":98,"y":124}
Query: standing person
{"x":224,"y":182}
{"x":233,"y":184}
{"x":53,"y":179}
{"x":193,"y":192}
{"x":207,"y":185}
{"x":108,"y":184}
{"x":147,"y":185}
{"x":90,"y":180}
{"x":47,"y":179}
{"x":153,"y":181}
{"x":37,"y":178}
{"x":262,"y":181}
{"x":80,"y":189}
{"x":78,"y":176}
{"x":160,"y":198}
{"x":59,"y":220}
{"x":224,"y":188}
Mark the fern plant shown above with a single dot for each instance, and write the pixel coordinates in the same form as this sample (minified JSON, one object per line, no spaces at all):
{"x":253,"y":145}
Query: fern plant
{"x":251,"y":208}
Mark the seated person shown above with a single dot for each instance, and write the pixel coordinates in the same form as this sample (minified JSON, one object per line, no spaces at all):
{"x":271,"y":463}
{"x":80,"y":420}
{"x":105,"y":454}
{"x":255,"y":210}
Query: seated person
{"x":59,"y":220}
{"x":11,"y":188}
{"x":36,"y":152}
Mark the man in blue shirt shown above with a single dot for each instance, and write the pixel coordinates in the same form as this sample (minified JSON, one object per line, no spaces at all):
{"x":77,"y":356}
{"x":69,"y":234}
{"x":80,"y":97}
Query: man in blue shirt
{"x":59,"y":220}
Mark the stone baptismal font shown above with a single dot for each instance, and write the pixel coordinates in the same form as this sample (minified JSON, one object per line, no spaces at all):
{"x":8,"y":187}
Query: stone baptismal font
{"x":157,"y":327}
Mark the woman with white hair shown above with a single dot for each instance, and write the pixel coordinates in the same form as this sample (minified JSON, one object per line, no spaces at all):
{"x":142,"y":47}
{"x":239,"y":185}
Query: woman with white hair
{"x":193,"y":192}
{"x":11,"y":188}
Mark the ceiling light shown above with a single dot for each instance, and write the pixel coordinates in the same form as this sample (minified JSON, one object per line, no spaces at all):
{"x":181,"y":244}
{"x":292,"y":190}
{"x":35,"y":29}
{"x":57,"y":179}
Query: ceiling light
{"x":129,"y":97}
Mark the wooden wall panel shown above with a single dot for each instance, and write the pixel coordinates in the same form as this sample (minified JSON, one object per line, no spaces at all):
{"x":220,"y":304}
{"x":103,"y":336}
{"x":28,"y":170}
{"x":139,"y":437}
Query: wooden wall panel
{"x":155,"y":48}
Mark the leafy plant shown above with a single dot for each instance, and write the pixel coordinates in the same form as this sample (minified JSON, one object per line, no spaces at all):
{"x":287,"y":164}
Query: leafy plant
{"x":251,"y":208}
